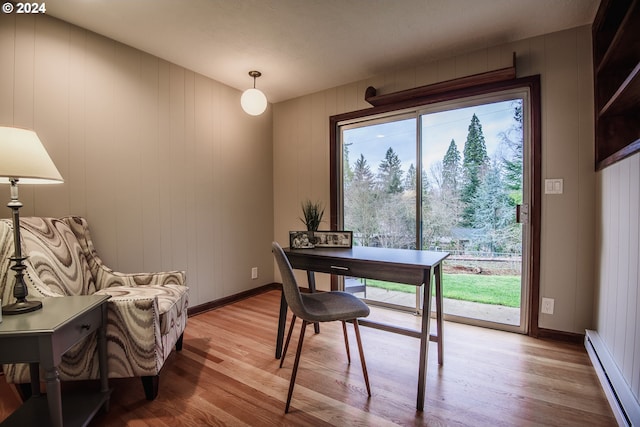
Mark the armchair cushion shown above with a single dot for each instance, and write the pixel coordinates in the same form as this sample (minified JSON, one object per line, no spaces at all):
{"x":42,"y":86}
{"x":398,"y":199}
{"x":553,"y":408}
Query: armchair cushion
{"x":147,"y":312}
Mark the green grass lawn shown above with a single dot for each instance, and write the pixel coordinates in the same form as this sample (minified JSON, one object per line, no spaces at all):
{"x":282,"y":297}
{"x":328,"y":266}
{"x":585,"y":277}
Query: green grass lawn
{"x":496,"y":290}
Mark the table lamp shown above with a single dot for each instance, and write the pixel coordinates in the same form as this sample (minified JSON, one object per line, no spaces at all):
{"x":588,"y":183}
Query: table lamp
{"x":23,"y":158}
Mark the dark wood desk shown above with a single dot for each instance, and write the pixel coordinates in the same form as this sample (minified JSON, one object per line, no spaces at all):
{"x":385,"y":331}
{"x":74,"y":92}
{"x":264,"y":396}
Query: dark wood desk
{"x":40,"y":338}
{"x":411,"y":267}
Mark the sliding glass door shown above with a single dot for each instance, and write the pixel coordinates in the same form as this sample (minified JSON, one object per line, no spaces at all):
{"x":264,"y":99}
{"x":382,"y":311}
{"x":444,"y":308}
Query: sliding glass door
{"x":449,"y":177}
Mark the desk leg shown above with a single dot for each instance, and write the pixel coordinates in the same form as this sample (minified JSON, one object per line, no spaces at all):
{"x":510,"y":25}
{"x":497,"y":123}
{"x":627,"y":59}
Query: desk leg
{"x":282,"y":320}
{"x":34,"y":372}
{"x":311,"y":278}
{"x":54,"y":398}
{"x":439,"y":314}
{"x":424,"y":339}
{"x":102,"y":355}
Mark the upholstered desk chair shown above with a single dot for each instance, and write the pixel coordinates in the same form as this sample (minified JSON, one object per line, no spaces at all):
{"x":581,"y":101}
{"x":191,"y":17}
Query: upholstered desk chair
{"x":317,"y":307}
{"x":146,"y":314}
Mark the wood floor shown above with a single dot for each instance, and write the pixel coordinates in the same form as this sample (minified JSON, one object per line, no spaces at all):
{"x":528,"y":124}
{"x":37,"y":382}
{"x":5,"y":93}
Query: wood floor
{"x":226,"y":375}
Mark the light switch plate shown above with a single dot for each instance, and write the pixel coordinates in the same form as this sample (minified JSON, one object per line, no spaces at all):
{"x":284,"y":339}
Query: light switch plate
{"x":553,"y":186}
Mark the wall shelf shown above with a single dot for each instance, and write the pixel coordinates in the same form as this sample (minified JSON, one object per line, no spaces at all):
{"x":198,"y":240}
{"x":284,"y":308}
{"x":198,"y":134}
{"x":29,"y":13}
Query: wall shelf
{"x":616,"y":64}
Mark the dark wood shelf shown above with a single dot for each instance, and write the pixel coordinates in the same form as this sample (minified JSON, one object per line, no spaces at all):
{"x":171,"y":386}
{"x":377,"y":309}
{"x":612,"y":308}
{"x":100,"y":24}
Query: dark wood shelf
{"x":616,"y":62}
{"x":624,"y":39}
{"x":626,"y":97}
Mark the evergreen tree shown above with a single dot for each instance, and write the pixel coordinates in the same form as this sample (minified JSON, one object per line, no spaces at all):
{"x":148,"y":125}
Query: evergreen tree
{"x":390,"y":173}
{"x":360,"y":203}
{"x":394,"y":229}
{"x":362,"y":172}
{"x":410,"y":179}
{"x":451,"y":168}
{"x":493,"y":212}
{"x":426,"y":185}
{"x":474,"y":167}
{"x":346,"y":166}
{"x":513,"y":163}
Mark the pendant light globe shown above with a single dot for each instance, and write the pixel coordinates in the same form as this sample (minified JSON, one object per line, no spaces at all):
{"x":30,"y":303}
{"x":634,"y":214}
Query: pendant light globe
{"x":253,"y":101}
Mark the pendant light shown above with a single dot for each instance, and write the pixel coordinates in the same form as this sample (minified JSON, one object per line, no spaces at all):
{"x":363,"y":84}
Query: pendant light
{"x":253,"y":100}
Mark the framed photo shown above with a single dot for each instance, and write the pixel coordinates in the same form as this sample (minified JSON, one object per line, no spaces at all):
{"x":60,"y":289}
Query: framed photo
{"x":333,"y":239}
{"x":301,"y":240}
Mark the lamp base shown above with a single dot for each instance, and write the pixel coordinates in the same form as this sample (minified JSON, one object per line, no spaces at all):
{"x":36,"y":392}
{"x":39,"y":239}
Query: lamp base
{"x":21,"y":307}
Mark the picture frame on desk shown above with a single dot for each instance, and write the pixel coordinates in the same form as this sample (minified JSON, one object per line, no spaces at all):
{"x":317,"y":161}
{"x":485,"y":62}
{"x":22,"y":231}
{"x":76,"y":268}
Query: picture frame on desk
{"x":333,"y":239}
{"x":301,"y":240}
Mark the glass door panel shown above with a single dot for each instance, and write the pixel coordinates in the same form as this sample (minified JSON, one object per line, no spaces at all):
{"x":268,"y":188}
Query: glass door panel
{"x":471,"y":193}
{"x":379,"y":188}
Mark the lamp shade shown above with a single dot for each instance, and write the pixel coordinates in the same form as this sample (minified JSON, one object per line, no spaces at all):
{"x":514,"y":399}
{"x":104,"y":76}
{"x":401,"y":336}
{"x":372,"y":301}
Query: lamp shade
{"x":23,"y":157}
{"x":253,"y":102}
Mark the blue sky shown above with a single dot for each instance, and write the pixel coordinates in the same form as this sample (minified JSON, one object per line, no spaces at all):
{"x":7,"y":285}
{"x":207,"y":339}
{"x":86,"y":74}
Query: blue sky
{"x":438,"y":131}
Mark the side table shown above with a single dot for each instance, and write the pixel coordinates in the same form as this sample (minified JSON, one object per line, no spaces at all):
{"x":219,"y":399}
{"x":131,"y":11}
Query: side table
{"x":40,"y":338}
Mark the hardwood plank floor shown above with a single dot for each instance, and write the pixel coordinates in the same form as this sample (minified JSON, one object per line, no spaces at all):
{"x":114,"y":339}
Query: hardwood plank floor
{"x":226,"y":375}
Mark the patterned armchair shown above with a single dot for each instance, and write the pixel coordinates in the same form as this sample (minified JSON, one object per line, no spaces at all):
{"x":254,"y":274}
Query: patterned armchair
{"x":147,"y":312}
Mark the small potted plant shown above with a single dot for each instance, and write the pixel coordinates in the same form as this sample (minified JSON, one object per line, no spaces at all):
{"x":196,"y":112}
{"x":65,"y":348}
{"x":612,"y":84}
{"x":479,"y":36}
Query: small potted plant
{"x":313,"y":212}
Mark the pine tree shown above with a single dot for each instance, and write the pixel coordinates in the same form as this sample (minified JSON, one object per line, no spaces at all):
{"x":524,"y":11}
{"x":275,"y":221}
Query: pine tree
{"x":346,"y":166}
{"x":410,"y":178}
{"x":362,"y":172}
{"x":513,"y":165}
{"x":493,"y":213}
{"x":360,"y":203}
{"x":474,"y":167}
{"x":451,"y":168}
{"x":390,"y":173}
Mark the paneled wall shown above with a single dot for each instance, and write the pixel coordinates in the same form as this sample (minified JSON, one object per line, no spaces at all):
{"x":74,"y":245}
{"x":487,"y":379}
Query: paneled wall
{"x":618,"y":293}
{"x":164,"y":164}
{"x":563,"y":59}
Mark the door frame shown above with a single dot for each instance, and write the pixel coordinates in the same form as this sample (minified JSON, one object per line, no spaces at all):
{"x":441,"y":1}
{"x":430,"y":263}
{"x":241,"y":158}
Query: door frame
{"x":434,"y":94}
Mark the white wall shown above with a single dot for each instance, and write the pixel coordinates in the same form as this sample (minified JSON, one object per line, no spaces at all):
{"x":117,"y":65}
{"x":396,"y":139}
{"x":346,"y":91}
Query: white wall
{"x":164,"y":164}
{"x":618,"y":257}
{"x":563,"y":59}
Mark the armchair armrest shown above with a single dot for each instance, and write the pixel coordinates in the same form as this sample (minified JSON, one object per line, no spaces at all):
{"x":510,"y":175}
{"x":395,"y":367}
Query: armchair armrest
{"x":133,"y":350}
{"x":144,"y":324}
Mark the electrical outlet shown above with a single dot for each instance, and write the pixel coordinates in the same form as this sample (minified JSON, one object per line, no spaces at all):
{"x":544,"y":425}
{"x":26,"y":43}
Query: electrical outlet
{"x":547,"y":305}
{"x":254,"y":273}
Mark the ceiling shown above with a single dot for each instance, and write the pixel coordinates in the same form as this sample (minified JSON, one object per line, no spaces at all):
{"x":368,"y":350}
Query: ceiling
{"x":304,"y":46}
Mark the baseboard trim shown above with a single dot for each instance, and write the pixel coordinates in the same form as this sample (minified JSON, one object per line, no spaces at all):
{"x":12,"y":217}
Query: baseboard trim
{"x":560,"y":335}
{"x":624,"y":405}
{"x":212,"y":305}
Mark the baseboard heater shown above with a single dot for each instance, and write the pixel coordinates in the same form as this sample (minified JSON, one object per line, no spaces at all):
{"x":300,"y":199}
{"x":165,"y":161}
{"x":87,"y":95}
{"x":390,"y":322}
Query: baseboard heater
{"x":623,"y":403}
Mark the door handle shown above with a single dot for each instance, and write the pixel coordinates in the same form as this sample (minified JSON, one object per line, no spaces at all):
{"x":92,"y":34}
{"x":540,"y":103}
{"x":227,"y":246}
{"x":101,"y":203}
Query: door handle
{"x":522,"y":213}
